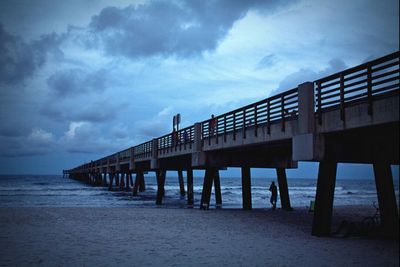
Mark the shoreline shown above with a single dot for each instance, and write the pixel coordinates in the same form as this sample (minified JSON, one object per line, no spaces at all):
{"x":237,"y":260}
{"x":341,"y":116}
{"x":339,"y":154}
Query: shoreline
{"x":126,"y":236}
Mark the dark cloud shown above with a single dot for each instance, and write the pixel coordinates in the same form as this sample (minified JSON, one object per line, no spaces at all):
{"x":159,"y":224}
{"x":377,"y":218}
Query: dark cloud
{"x":19,"y":60}
{"x":305,"y":75}
{"x":38,"y":142}
{"x":13,"y":128}
{"x":95,"y":112}
{"x":77,"y":81}
{"x":169,"y":28}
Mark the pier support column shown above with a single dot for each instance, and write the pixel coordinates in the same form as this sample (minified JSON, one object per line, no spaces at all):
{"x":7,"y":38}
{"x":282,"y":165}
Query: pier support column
{"x":324,"y":199}
{"x":136,"y":185}
{"x":181,"y":183}
{"x":116,"y":176}
{"x":131,"y":179}
{"x":217,"y":189}
{"x":126,"y":181}
{"x":100,"y":178}
{"x":207,"y":186}
{"x":121,"y":182}
{"x":160,"y":186}
{"x":246,"y":188}
{"x":190,"y":198}
{"x":283,"y":189}
{"x":111,"y":176}
{"x":104,"y":179}
{"x":142,"y":183}
{"x":387,"y":199}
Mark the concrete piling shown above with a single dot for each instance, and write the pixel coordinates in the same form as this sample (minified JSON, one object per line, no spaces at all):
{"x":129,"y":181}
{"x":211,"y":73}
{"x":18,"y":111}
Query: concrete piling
{"x":217,"y":189}
{"x":136,"y":185}
{"x":324,"y":199}
{"x":246,"y":188}
{"x":283,"y":189}
{"x":387,"y":199}
{"x":206,"y":193}
{"x":142,"y":183}
{"x":160,"y":186}
{"x":181,"y":183}
{"x":111,"y":176}
{"x":190,"y":198}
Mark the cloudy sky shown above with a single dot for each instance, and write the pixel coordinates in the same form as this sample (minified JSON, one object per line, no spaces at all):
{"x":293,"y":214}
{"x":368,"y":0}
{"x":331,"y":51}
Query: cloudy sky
{"x":83,"y":79}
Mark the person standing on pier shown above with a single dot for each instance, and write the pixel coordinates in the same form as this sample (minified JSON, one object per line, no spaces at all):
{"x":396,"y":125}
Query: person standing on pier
{"x":211,"y":125}
{"x":174,"y":139}
{"x":274,"y":195}
{"x":185,"y":137}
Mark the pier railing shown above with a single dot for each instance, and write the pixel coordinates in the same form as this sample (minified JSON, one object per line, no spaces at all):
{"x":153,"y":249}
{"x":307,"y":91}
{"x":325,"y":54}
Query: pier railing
{"x":179,"y":140}
{"x":144,"y":150}
{"x":278,"y":108}
{"x":124,"y":155}
{"x":365,"y":82}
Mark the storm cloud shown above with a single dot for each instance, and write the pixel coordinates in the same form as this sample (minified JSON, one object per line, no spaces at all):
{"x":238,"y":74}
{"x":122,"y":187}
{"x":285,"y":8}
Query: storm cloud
{"x":94,"y":112}
{"x":77,"y":81}
{"x":19,"y":59}
{"x":168,"y":28}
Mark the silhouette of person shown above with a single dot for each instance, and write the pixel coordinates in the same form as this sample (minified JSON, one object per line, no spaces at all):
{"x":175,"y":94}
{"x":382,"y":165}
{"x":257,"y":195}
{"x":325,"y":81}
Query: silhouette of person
{"x":211,"y":125}
{"x":185,"y":137}
{"x":274,"y":195}
{"x":174,"y":138}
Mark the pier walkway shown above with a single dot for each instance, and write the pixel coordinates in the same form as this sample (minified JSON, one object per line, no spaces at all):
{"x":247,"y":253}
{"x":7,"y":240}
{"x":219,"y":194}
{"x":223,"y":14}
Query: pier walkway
{"x":347,"y":117}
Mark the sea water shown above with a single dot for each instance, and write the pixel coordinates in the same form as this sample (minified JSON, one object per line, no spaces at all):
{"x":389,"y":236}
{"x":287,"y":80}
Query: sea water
{"x":56,"y":191}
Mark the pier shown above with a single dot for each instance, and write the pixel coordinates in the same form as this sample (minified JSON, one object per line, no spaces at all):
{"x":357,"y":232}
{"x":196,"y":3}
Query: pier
{"x":348,"y":117}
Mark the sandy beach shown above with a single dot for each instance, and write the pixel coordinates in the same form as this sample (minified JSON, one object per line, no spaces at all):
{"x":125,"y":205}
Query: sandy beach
{"x":181,"y":237}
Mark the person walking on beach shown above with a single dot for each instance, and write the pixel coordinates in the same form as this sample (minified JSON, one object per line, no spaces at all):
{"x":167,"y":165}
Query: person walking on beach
{"x":274,"y":195}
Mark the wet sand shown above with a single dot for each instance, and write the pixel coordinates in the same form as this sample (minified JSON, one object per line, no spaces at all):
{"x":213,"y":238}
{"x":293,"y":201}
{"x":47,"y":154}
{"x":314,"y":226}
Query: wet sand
{"x":182,"y":237}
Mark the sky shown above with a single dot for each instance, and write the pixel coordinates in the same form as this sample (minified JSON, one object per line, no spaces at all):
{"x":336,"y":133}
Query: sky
{"x":83,"y":79}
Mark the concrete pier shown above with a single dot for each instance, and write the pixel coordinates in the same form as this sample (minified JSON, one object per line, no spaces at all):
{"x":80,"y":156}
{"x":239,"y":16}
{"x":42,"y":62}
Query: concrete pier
{"x":347,"y":117}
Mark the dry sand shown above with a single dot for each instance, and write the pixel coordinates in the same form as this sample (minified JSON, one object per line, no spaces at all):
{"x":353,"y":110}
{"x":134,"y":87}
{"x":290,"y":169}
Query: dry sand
{"x":180,"y":237}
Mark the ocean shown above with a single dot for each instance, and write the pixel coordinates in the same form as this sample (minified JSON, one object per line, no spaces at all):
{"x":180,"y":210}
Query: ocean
{"x":56,"y":191}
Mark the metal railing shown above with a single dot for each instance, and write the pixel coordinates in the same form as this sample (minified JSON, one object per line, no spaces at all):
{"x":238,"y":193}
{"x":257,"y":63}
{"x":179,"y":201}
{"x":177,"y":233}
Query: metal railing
{"x":143,"y":150}
{"x":124,"y":155}
{"x":179,"y":140}
{"x":279,"y":108}
{"x":377,"y":78}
